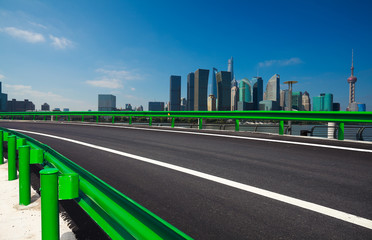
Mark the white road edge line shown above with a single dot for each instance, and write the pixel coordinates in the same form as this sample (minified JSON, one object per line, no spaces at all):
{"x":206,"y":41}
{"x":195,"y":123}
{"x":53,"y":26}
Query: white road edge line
{"x":363,"y":222}
{"x":231,"y":136}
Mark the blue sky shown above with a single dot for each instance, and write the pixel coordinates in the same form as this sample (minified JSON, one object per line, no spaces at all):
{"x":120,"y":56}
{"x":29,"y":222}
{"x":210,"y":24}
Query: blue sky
{"x":65,"y":53}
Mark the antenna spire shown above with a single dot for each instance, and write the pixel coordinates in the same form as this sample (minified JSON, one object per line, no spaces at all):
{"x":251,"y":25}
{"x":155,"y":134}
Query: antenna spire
{"x":352,"y":62}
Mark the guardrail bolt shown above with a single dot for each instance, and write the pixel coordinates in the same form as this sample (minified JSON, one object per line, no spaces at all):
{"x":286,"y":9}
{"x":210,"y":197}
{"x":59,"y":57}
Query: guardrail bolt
{"x":24,"y":175}
{"x":12,"y":170}
{"x":1,"y":147}
{"x":49,"y":204}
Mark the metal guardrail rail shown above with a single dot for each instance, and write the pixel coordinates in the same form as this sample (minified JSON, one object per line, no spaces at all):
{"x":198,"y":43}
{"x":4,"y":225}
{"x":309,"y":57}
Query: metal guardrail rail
{"x":118,"y":215}
{"x":339,"y":117}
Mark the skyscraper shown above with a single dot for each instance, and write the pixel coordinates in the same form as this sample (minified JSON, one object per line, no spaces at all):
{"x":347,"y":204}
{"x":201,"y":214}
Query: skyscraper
{"x":257,"y":91}
{"x":45,"y":107}
{"x":352,"y":80}
{"x":106,"y":102}
{"x":156,"y":106}
{"x":190,"y":91}
{"x":324,"y":102}
{"x":234,"y":97}
{"x":297,"y":101}
{"x":284,"y":99}
{"x":230,"y":67}
{"x":212,"y":103}
{"x":273,"y":88}
{"x":201,"y":90}
{"x":175,"y":93}
{"x":3,"y":100}
{"x":213,"y":84}
{"x":245,"y":90}
{"x":223,"y":91}
{"x":306,"y":101}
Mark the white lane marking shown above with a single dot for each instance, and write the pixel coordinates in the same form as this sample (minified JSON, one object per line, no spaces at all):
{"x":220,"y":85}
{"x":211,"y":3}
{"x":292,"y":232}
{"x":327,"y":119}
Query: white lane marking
{"x":232,"y":136}
{"x":363,"y":222}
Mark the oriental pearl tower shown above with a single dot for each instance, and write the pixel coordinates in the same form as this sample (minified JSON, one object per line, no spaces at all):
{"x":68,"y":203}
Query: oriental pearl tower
{"x":352,"y":80}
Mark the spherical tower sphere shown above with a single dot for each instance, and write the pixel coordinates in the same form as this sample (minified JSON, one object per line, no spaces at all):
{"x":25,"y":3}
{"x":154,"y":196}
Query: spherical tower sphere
{"x":352,"y":79}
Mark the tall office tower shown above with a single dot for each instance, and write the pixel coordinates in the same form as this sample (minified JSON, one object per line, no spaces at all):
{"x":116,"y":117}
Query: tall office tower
{"x":213,"y":84}
{"x":190,"y":91}
{"x":175,"y":93}
{"x":284,"y":99}
{"x":234,"y":97}
{"x":230,"y":67}
{"x":106,"y":102}
{"x":223,"y":91}
{"x":156,"y":106}
{"x":3,"y":100}
{"x":306,"y":101}
{"x":45,"y":107}
{"x":297,"y":101}
{"x":245,"y":90}
{"x":324,"y":102}
{"x":257,"y":92}
{"x":351,"y":80}
{"x":211,"y":103}
{"x":273,"y":88}
{"x":201,"y":90}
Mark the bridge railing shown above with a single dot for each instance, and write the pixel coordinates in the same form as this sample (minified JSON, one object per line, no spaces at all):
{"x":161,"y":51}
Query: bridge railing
{"x":118,"y":215}
{"x":279,"y":116}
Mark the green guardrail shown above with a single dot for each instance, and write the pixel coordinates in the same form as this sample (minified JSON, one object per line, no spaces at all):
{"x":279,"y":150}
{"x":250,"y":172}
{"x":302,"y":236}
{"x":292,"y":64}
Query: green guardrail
{"x":118,"y":215}
{"x":281,"y":116}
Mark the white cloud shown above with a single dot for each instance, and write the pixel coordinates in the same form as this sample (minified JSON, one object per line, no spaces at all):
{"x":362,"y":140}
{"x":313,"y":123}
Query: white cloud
{"x":133,"y":89}
{"x":37,"y":25}
{"x":105,"y":82}
{"x":28,"y":36}
{"x":283,"y":62}
{"x":2,"y":76}
{"x":61,"y":42}
{"x":121,"y":74}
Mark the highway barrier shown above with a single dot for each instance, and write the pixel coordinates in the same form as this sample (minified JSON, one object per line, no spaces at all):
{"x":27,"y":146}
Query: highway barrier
{"x":118,"y":215}
{"x":279,"y":116}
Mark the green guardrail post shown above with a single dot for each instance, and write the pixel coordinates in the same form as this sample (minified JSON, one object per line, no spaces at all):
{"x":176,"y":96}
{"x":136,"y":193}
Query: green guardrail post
{"x":20,"y":142}
{"x":341,"y":131}
{"x":281,"y":127}
{"x":82,"y":118}
{"x":1,"y":147}
{"x":44,"y":118}
{"x":150,"y":121}
{"x":34,"y":117}
{"x":12,"y":117}
{"x":97,"y":119}
{"x":200,"y":123}
{"x":130,"y":120}
{"x":49,"y":204}
{"x":236,"y":125}
{"x":12,"y":170}
{"x":23,"y":117}
{"x":172,"y":123}
{"x":24,"y":175}
{"x":56,"y":118}
{"x":113,"y":119}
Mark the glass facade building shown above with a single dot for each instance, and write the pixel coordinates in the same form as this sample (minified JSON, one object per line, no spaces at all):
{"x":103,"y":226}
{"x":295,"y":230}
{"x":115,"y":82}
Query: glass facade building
{"x":245,"y":90}
{"x":175,"y":93}
{"x":156,"y":106}
{"x":3,"y":100}
{"x":223,"y":91}
{"x":257,"y":91}
{"x":273,"y":88}
{"x":201,"y":90}
{"x":213,"y":84}
{"x":106,"y":102}
{"x":190,"y":92}
{"x":297,"y":101}
{"x":324,"y":102}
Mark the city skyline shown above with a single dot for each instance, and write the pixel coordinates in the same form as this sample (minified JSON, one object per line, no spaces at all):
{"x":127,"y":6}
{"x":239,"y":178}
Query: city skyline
{"x":65,"y":56}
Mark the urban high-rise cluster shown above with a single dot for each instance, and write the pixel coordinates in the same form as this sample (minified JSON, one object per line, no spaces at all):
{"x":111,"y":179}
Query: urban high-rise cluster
{"x":225,"y":93}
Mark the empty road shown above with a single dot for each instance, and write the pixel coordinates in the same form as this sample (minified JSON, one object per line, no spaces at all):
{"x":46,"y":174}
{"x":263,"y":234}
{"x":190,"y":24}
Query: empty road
{"x":226,"y":185}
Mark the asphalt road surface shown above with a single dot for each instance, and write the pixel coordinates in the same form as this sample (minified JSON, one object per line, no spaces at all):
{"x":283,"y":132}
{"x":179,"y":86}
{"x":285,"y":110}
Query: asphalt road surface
{"x":244,"y":185}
